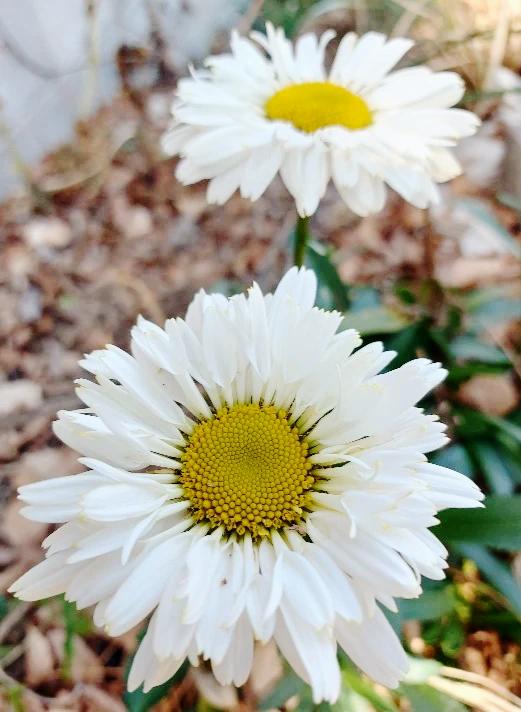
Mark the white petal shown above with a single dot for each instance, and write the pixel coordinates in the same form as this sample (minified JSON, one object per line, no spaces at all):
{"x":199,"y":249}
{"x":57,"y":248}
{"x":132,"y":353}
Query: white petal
{"x":374,"y":647}
{"x":142,"y":589}
{"x":48,"y":578}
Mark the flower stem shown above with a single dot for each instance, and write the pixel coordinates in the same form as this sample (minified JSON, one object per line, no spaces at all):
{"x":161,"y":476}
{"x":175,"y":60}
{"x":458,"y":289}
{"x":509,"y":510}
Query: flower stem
{"x":302,"y":235}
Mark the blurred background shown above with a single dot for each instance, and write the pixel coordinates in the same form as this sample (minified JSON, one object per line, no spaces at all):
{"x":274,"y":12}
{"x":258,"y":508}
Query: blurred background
{"x":94,"y":230}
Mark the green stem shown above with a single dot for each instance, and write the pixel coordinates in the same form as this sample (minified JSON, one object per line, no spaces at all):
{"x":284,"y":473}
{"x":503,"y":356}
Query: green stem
{"x":15,"y":696}
{"x":69,"y":618}
{"x":302,"y":235}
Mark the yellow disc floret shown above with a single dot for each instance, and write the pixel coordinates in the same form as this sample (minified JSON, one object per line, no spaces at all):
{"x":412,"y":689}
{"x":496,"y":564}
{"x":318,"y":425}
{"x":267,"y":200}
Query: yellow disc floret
{"x":314,"y":105}
{"x":247,"y":470}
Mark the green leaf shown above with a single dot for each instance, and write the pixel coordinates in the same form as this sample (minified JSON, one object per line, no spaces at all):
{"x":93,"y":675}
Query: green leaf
{"x":332,"y":292}
{"x":289,"y":686}
{"x":406,"y":295}
{"x":511,"y":201}
{"x":511,"y":429}
{"x":4,"y":650}
{"x":75,"y":623}
{"x":3,"y":606}
{"x":504,"y":623}
{"x":441,"y":342}
{"x":497,"y":573}
{"x":288,"y":14}
{"x":452,"y":638}
{"x":362,"y":297}
{"x":455,"y":457}
{"x":374,"y":320}
{"x":350,"y":701}
{"x":420,"y":669}
{"x":510,"y":455}
{"x":470,"y":422}
{"x":497,"y":525}
{"x":69,"y":616}
{"x":407,"y":342}
{"x":454,"y":321}
{"x":429,"y":606}
{"x":494,"y":312}
{"x":478,"y":297}
{"x":460,"y":373}
{"x":515,"y":417}
{"x":426,"y":699}
{"x":469,"y":348}
{"x":352,"y":679}
{"x":15,"y":696}
{"x":228,"y":287}
{"x":325,"y":6}
{"x":492,"y":465}
{"x":478,"y":94}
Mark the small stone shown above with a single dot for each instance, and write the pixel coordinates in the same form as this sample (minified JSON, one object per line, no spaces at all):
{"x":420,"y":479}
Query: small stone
{"x":134,"y":221}
{"x":30,"y":305}
{"x":47,"y":232}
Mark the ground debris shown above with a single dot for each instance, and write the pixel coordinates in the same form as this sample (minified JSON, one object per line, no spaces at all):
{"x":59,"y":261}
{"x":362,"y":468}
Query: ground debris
{"x":108,"y":233}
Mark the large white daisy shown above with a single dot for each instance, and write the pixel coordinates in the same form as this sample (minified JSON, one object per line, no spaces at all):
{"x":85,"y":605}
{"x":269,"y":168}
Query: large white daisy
{"x":249,"y":116}
{"x":251,"y":476}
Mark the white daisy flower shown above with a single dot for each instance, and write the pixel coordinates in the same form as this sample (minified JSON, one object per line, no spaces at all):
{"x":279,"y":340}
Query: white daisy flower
{"x":251,"y":477}
{"x":249,"y":116}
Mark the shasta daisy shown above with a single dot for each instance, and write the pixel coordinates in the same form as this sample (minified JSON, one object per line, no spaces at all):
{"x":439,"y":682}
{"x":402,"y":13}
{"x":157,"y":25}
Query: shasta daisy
{"x":251,"y":475}
{"x":270,"y":107}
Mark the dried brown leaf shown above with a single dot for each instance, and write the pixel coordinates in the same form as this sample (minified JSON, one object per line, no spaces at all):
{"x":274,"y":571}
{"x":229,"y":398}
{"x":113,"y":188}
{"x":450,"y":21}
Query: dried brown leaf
{"x":86,"y":666}
{"x":44,"y":463}
{"x":492,"y":394}
{"x":18,"y":395}
{"x":266,"y":670}
{"x":39,"y":659}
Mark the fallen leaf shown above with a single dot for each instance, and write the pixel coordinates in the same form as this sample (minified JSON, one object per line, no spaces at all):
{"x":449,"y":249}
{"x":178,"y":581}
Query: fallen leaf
{"x":9,"y":575}
{"x":132,"y":220}
{"x":492,"y":394}
{"x":39,"y":661}
{"x":21,"y":394}
{"x":129,"y":640}
{"x":21,"y":532}
{"x":459,"y":220}
{"x":266,"y":670}
{"x":86,"y":666}
{"x":481,"y":155}
{"x":465,"y":272}
{"x":100,"y":701}
{"x":32,"y":703}
{"x":43,"y":464}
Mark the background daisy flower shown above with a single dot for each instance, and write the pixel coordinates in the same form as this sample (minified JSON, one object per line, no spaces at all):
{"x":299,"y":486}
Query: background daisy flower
{"x":251,"y":476}
{"x":270,"y":107}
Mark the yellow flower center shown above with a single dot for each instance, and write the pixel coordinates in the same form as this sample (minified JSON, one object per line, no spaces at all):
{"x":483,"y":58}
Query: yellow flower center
{"x":247,"y":470}
{"x":314,"y":105}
